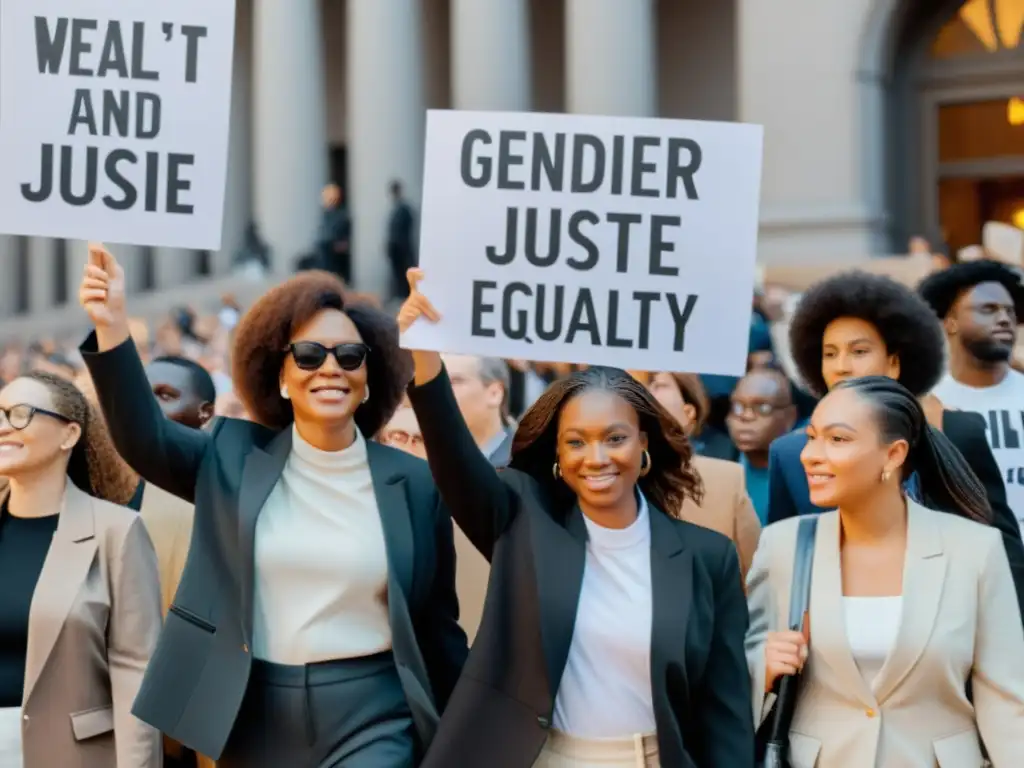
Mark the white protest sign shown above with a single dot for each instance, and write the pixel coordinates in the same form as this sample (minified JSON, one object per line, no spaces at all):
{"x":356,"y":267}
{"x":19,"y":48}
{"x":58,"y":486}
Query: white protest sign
{"x":114,"y":119}
{"x":609,"y":241}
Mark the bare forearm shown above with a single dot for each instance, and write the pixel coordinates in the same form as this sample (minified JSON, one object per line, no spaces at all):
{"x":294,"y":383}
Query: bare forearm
{"x":108,"y":337}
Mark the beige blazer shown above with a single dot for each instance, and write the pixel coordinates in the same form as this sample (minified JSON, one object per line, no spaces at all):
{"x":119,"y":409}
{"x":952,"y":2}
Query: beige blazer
{"x":471,"y":574}
{"x":169,"y":522}
{"x":726,"y":507}
{"x":959,"y":622}
{"x":92,"y":626}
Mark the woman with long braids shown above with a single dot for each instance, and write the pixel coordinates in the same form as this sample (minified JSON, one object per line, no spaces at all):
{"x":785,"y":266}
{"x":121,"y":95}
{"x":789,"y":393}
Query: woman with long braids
{"x":910,"y":601}
{"x":612,"y":632}
{"x":80,"y":608}
{"x":858,"y":324}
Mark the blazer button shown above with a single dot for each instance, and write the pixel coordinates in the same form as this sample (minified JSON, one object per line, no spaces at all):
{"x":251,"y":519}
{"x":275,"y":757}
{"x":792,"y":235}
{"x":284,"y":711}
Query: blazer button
{"x":245,"y":648}
{"x":869,"y":712}
{"x":543,"y":722}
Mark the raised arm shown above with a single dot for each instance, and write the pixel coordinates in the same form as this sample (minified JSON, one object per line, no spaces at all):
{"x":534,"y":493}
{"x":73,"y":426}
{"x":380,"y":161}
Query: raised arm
{"x":998,"y":675}
{"x":162,"y":452}
{"x":481,"y":503}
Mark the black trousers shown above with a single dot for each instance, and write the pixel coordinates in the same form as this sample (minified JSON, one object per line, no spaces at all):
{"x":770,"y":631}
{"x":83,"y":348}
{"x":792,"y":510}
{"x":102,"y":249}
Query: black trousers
{"x":336,"y":714}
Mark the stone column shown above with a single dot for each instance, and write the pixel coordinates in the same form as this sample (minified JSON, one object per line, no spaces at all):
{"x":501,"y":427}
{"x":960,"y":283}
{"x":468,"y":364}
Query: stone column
{"x":611,"y":57}
{"x":491,"y":55}
{"x":386,"y":119}
{"x":289,"y":125}
{"x":238,"y":195}
{"x":42,"y":272}
{"x":10,"y":259}
{"x":173,"y":266}
{"x":76,"y":257}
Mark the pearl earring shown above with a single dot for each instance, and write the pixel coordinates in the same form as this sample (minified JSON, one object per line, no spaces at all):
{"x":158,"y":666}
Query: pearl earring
{"x":284,"y":391}
{"x":366,"y":395}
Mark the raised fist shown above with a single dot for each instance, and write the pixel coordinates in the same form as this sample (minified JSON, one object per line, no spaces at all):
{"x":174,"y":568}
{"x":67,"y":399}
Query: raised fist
{"x":102,"y":291}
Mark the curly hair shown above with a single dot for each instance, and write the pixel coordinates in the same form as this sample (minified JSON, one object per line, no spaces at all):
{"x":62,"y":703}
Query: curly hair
{"x":905,"y":322}
{"x":95,"y":465}
{"x":671,"y":478}
{"x":264,"y":332}
{"x":941,"y":289}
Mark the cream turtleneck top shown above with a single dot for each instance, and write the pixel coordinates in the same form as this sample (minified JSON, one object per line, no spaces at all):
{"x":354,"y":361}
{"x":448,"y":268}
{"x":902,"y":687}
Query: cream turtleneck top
{"x":321,"y":562}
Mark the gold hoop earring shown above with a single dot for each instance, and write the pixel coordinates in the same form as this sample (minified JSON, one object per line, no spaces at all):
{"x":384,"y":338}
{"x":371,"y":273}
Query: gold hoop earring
{"x":645,"y":464}
{"x":885,"y":476}
{"x":556,"y":471}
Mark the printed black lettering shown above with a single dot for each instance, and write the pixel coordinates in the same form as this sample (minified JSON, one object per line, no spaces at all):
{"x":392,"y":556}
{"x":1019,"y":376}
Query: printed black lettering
{"x":581,"y":142}
{"x":684,"y":159}
{"x":584,"y":319}
{"x":50,"y":46}
{"x":511,"y":238}
{"x":646,"y":299}
{"x":129,"y":195}
{"x":993,"y":430}
{"x":82,"y":112}
{"x":641,"y":166}
{"x":624,"y":222}
{"x":91,"y":163}
{"x":576,"y":235}
{"x":112,"y":57}
{"x":517,"y":331}
{"x":484,"y":164}
{"x":116,"y":110}
{"x":612,"y":339}
{"x":45,"y":178}
{"x":139,"y":71}
{"x":507,"y":159}
{"x":176,"y":184}
{"x":80,"y":46}
{"x":543,"y":333}
{"x":1011,"y":437}
{"x":551,"y":164}
{"x":479,"y":308}
{"x":554,"y":238}
{"x":192,"y":37}
{"x":618,"y":161}
{"x":680,"y":318}
{"x":147,"y":129}
{"x":661,"y":246}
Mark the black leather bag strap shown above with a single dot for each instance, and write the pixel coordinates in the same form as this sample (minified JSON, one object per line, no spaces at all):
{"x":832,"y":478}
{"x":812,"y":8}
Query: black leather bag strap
{"x":799,"y":602}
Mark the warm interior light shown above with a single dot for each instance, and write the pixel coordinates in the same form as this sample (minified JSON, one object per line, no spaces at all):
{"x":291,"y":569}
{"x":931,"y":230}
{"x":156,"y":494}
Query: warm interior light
{"x":1015,"y":111}
{"x":1018,"y":218}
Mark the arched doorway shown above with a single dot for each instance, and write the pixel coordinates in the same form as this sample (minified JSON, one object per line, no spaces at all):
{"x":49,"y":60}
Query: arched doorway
{"x":957,"y":114}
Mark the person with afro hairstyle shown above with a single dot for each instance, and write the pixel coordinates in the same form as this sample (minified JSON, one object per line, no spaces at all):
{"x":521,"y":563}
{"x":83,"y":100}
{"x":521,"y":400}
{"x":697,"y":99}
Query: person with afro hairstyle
{"x":80,"y":609}
{"x":316,"y":622}
{"x":856,"y":324}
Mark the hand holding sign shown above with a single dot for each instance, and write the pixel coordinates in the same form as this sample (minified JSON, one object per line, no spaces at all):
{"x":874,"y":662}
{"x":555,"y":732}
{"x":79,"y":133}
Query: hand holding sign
{"x":427,"y":364}
{"x":102,"y":294}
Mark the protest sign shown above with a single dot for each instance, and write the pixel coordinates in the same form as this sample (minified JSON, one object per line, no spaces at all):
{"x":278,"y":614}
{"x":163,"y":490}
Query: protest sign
{"x":114,"y":119}
{"x":609,"y":241}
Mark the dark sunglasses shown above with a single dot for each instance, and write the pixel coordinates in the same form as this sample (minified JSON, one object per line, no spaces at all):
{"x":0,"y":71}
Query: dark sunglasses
{"x":20,"y":416}
{"x":310,"y":355}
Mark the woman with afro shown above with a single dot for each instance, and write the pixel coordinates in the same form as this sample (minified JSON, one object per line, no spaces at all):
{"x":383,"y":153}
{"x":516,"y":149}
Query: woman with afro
{"x":316,"y":622}
{"x":857,"y":324}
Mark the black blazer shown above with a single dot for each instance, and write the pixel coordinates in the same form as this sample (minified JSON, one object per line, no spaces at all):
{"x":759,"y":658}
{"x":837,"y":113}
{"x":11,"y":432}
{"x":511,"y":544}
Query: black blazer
{"x":502,"y":707}
{"x":789,"y":496}
{"x":195,"y":682}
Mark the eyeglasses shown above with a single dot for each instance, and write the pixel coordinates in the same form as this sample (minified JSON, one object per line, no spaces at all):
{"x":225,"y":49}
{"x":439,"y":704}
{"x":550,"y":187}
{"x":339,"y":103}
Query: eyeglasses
{"x":310,"y":355}
{"x":20,"y":416}
{"x":757,"y":409}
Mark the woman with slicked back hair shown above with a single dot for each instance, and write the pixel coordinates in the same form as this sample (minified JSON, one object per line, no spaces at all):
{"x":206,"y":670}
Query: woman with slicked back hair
{"x":910,"y":606}
{"x":80,"y":610}
{"x":612,"y":631}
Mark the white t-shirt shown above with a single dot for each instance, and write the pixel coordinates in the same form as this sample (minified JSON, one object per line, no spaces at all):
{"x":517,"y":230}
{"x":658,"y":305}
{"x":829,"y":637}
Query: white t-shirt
{"x":605,"y":691}
{"x":1002,"y":407}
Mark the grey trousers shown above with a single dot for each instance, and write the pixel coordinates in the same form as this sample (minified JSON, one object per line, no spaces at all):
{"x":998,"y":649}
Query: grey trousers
{"x":336,"y":714}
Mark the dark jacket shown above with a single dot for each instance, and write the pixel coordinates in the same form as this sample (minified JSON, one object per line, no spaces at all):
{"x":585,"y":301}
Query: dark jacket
{"x":789,"y":495}
{"x":502,"y":708}
{"x":195,"y":682}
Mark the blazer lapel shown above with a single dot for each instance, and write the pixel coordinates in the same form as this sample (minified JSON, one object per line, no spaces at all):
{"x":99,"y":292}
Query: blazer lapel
{"x":389,"y":487}
{"x":924,"y":574}
{"x":65,"y":569}
{"x":829,"y":641}
{"x":260,"y":474}
{"x":560,"y":555}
